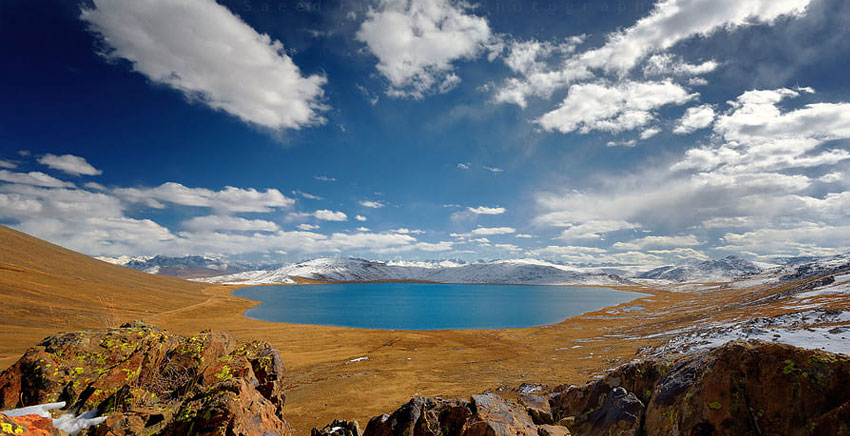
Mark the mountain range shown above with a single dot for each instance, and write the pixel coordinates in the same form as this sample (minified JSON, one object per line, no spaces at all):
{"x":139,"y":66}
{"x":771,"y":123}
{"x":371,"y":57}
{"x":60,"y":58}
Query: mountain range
{"x":214,"y":269}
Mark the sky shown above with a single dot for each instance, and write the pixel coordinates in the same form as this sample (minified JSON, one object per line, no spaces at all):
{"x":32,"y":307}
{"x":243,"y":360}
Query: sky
{"x":604,"y":132}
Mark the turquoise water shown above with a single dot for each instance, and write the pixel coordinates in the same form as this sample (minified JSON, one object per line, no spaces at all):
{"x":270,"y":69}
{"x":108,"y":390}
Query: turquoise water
{"x":418,"y":306}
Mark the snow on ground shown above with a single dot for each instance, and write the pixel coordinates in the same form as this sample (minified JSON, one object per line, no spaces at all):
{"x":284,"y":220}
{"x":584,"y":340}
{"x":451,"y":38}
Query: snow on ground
{"x":812,"y":329}
{"x":841,"y":286}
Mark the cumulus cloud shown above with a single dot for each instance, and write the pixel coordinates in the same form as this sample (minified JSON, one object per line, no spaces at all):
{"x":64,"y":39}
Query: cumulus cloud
{"x":230,"y":199}
{"x":210,"y":55}
{"x":612,"y":108}
{"x":218,"y":222}
{"x":753,"y":179}
{"x":360,"y":218}
{"x":308,"y":227}
{"x":463,"y":166}
{"x":483,"y":210}
{"x":417,"y":41}
{"x":695,"y":118}
{"x":494,"y":170}
{"x":70,"y":164}
{"x":669,"y":23}
{"x":329,"y":215}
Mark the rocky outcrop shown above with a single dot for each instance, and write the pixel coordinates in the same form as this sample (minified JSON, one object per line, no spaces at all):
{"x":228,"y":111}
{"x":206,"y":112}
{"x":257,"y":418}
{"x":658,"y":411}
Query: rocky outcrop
{"x":483,"y":415}
{"x":148,"y":381}
{"x":742,"y":388}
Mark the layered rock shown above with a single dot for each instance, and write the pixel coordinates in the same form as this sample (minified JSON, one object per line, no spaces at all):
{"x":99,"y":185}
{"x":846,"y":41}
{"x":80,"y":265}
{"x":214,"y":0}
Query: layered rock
{"x":742,"y":388}
{"x":148,"y":381}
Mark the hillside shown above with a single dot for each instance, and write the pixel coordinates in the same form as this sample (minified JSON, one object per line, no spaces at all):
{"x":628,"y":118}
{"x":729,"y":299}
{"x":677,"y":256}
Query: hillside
{"x":45,"y":288}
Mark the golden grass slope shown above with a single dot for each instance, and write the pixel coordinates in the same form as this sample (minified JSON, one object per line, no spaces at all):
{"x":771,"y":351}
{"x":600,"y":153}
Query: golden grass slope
{"x":45,"y":288}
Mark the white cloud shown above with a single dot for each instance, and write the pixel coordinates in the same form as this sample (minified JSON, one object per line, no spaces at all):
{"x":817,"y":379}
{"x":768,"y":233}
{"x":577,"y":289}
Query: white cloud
{"x":629,"y":143}
{"x":33,"y":178}
{"x":329,"y":215}
{"x":406,"y":231}
{"x":753,"y":178}
{"x":229,"y":199}
{"x":416,"y":42}
{"x":523,"y":236}
{"x":372,"y":204}
{"x":612,"y":108}
{"x":203,"y":50}
{"x":494,"y":169}
{"x":70,"y":164}
{"x":362,"y":229}
{"x":759,"y":136}
{"x":487,"y":231}
{"x":665,"y":65}
{"x":95,"y":186}
{"x":595,"y":229}
{"x":658,"y":241}
{"x":670,"y":22}
{"x":325,"y":179}
{"x":306,"y":195}
{"x":649,"y":132}
{"x":806,"y":238}
{"x":308,"y":227}
{"x":8,"y":164}
{"x":831,"y":177}
{"x":218,"y":222}
{"x":360,"y":218}
{"x":695,"y":118}
{"x":482,"y":210}
{"x":463,"y":166}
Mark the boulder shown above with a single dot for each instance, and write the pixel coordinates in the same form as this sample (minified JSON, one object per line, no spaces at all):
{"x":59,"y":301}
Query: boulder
{"x":537,"y":407}
{"x":483,"y":415}
{"x":741,"y":388}
{"x":149,"y":381}
{"x":338,"y":428}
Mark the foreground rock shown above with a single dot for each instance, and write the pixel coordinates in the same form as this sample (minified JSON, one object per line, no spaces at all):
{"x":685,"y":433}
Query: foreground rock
{"x":483,"y":415}
{"x":148,"y":381}
{"x":742,"y":388}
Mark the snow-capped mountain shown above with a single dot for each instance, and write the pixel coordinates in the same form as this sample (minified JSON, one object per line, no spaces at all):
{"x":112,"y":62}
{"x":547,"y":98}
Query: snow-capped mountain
{"x":715,"y":270}
{"x":817,"y":267}
{"x":184,"y":267}
{"x":522,"y":271}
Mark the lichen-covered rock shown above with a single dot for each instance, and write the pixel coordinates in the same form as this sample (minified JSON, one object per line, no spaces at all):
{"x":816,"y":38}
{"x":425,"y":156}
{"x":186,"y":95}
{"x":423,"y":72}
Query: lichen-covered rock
{"x":483,"y":415}
{"x":741,"y":388}
{"x":28,"y":425}
{"x":754,"y":388}
{"x":338,"y":428}
{"x":152,"y":382}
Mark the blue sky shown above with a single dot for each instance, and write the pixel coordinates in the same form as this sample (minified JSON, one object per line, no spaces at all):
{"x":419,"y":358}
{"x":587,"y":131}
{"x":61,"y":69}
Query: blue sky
{"x":619,"y":132}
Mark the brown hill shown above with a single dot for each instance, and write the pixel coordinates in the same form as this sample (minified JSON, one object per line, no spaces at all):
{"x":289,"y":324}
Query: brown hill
{"x":45,"y":288}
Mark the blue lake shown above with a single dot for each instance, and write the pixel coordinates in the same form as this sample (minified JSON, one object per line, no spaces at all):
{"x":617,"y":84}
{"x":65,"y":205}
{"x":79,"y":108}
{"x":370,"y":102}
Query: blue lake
{"x":419,"y":306}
